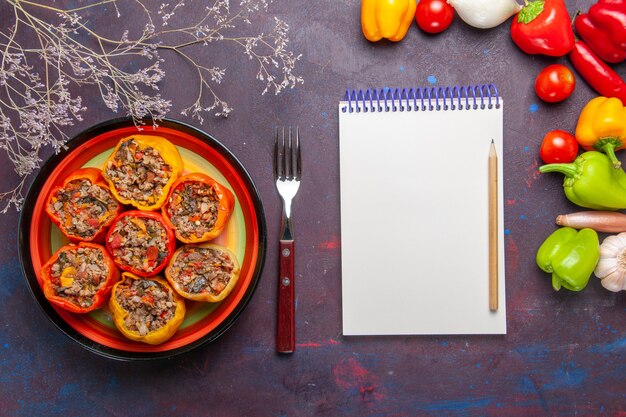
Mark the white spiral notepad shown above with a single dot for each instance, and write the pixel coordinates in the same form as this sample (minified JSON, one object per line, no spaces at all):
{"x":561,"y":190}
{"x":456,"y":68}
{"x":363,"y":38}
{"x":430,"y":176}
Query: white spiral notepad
{"x":414,"y":210}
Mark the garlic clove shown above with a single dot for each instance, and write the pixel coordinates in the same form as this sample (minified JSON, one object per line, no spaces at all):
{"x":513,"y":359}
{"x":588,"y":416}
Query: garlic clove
{"x":605,"y":267}
{"x":616,"y":281}
{"x":611,"y":246}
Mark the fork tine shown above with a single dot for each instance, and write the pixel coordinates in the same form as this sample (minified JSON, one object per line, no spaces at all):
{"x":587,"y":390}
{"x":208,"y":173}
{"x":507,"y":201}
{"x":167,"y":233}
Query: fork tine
{"x":290,"y":174}
{"x":298,"y":155}
{"x":283,"y":166}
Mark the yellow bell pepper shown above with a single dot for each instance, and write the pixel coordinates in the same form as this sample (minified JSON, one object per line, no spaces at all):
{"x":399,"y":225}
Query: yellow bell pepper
{"x":602,"y":126}
{"x":133,"y":180}
{"x":139,"y":291}
{"x":389,"y":19}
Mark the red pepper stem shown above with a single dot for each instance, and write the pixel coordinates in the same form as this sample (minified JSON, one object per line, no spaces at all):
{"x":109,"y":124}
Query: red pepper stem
{"x":608,"y":145}
{"x":569,"y":170}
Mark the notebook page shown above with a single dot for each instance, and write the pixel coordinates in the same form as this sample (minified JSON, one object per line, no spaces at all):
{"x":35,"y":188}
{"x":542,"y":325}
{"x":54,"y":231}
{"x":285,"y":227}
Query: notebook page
{"x":414,"y":222}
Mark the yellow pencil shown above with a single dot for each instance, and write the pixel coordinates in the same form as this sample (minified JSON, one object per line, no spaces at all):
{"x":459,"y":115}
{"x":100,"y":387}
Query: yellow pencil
{"x":493,"y":228}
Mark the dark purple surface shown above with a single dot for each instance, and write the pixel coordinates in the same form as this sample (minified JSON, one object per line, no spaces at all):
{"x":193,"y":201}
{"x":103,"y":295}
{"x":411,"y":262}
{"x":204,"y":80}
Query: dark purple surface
{"x":564,"y":354}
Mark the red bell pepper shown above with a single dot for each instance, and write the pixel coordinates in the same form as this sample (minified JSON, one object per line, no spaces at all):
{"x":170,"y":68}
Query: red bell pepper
{"x":83,"y":207}
{"x":603,"y":28}
{"x":68,"y":285}
{"x":597,"y":73}
{"x":543,"y":27}
{"x":141,"y":242}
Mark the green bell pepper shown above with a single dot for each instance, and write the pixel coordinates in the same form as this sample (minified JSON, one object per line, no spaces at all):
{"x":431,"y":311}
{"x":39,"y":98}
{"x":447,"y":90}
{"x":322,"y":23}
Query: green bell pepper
{"x":570,"y":256}
{"x":592,"y":181}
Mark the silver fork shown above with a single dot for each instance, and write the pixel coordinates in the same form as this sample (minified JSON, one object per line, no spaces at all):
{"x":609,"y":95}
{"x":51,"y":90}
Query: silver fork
{"x":287,"y":173}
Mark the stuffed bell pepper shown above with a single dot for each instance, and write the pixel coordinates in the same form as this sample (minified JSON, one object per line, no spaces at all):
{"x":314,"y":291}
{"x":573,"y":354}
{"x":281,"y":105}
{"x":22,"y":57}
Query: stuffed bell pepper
{"x":198,"y":208}
{"x":141,"y":242}
{"x":206,"y":272}
{"x":146,"y":309}
{"x":141,"y":170}
{"x":83,"y":207}
{"x":79,"y":277}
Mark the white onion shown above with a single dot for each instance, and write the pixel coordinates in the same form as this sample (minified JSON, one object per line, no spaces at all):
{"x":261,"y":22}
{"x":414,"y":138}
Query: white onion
{"x":485,"y":14}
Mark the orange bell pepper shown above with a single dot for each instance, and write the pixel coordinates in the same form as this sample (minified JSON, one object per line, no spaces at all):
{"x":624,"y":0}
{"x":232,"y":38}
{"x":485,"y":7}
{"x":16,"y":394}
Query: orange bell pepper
{"x":82,"y":217}
{"x":602,"y":126}
{"x":388,"y":19}
{"x":66,"y":285}
{"x":134,"y":174}
{"x":195,"y":222}
{"x":135,"y":292}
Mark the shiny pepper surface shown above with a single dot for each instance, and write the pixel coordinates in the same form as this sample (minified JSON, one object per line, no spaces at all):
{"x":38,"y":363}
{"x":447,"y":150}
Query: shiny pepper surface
{"x":592,"y":181}
{"x":543,"y":27}
{"x":602,"y":126}
{"x":570,"y":256}
{"x":603,"y":28}
{"x":389,"y":19}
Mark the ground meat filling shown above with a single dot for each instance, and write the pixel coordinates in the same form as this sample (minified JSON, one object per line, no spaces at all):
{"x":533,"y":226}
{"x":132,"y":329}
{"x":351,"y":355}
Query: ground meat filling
{"x":138,"y":174}
{"x":140,"y":243}
{"x":149,"y":304}
{"x":198,"y":270}
{"x":83,"y":207}
{"x":192,"y":209}
{"x":78,"y":274}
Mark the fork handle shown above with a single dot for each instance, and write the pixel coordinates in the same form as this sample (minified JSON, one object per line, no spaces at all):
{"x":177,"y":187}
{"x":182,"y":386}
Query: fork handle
{"x":285,"y":336}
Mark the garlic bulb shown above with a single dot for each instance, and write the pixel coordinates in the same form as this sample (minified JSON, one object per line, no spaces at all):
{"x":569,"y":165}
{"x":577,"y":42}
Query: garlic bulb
{"x":485,"y":14}
{"x":611,"y":268}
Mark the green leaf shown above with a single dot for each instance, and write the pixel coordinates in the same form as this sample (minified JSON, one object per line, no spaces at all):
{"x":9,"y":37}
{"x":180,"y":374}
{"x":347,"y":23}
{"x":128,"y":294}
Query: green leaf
{"x":530,"y":11}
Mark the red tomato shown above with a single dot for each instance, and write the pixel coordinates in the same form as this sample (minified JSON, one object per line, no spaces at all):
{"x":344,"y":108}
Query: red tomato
{"x":433,"y":16}
{"x":558,"y":146}
{"x":555,"y":83}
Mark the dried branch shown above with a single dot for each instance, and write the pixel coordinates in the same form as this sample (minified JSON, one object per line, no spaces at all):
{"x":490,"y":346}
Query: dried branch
{"x":35,"y":107}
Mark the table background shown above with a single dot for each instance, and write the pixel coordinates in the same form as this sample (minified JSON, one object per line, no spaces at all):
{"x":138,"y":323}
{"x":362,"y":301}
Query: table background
{"x":564,"y":353}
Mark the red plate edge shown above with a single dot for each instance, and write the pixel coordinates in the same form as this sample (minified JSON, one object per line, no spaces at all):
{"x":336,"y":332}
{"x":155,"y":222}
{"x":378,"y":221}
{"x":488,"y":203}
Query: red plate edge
{"x":40,"y":227}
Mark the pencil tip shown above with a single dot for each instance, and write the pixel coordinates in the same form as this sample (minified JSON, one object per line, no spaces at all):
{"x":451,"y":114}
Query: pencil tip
{"x":491,"y":140}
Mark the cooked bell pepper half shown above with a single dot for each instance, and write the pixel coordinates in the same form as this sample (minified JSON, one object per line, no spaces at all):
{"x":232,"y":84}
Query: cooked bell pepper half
{"x":141,"y":242}
{"x":198,"y":208}
{"x":389,"y":19}
{"x":83,"y":207}
{"x":602,"y":126}
{"x":592,"y":181}
{"x":570,"y":256}
{"x":146,"y":310}
{"x":79,"y":277}
{"x":543,"y":27}
{"x":141,"y":170}
{"x":206,"y":272}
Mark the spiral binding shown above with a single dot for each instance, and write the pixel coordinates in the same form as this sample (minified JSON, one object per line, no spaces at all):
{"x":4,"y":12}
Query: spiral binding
{"x":469,"y":97}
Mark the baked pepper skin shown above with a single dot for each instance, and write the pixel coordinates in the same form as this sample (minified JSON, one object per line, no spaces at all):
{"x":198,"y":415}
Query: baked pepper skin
{"x":170,"y":155}
{"x":602,"y":126}
{"x":543,"y":27}
{"x":224,"y":209}
{"x":99,"y":299}
{"x":113,"y":243}
{"x":94,"y":175}
{"x":155,"y":337}
{"x":389,"y":19}
{"x":570,"y":256}
{"x":603,"y":28}
{"x":205,"y":295}
{"x":592,"y":181}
